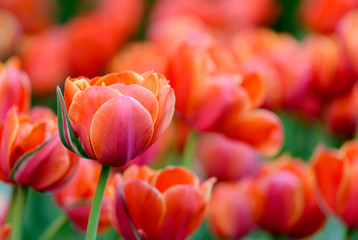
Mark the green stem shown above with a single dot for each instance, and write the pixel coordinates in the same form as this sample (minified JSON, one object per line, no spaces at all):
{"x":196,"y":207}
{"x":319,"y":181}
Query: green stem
{"x":349,"y":233}
{"x":18,"y":212}
{"x":12,"y":204}
{"x":96,"y":203}
{"x":55,"y":227}
{"x":189,"y":149}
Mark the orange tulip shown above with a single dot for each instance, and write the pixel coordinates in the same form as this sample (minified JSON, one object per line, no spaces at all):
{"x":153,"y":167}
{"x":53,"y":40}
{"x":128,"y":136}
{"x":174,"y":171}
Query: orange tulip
{"x":323,"y":15}
{"x":172,"y":200}
{"x":76,"y":198}
{"x":114,"y":118}
{"x":237,"y":159}
{"x":341,"y":114}
{"x":289,"y":205}
{"x":213,"y":96}
{"x":234,"y":209}
{"x":14,"y":88}
{"x":336,"y":173}
{"x":31,"y":151}
{"x":347,"y":33}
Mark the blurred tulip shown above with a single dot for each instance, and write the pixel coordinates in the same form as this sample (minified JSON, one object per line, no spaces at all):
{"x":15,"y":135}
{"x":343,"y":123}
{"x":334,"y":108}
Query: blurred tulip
{"x":289,"y":205}
{"x":14,"y":88}
{"x":76,"y":198}
{"x":234,"y":209}
{"x":238,"y":13}
{"x":213,"y":96}
{"x":347,"y":31}
{"x":34,"y":15}
{"x":323,"y":15}
{"x":114,"y":118}
{"x":10,"y":33}
{"x":341,"y":114}
{"x":172,"y":200}
{"x":50,"y":49}
{"x":276,"y":56}
{"x":31,"y":151}
{"x":336,"y":175}
{"x":330,"y":74}
{"x":225,"y":159}
{"x":140,"y":57}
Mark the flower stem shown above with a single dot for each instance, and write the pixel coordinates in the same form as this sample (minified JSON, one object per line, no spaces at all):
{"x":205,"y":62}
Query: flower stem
{"x":189,"y":149}
{"x":349,"y":233}
{"x":55,"y":227}
{"x":12,"y":204}
{"x":96,"y":204}
{"x":18,"y":212}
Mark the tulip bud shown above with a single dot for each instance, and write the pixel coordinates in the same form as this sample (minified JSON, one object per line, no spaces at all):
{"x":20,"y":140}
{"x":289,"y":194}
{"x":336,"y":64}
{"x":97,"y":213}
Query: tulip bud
{"x":114,"y":118}
{"x":172,"y":200}
{"x":31,"y":151}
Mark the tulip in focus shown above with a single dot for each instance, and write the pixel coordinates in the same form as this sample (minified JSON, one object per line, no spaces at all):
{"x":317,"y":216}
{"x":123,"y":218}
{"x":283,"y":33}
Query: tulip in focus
{"x":234,"y":209}
{"x":114,"y":118}
{"x":166,"y":204}
{"x":336,"y":174}
{"x":289,"y":205}
{"x":14,"y":88}
{"x":76,"y":198}
{"x":226,"y":159}
{"x":31,"y":151}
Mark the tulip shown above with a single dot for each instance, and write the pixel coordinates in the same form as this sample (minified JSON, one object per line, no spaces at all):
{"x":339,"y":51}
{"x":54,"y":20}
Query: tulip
{"x":31,"y":151}
{"x":14,"y":88}
{"x":76,"y":197}
{"x":172,"y":200}
{"x":114,"y":118}
{"x":336,"y":174}
{"x":10,"y":32}
{"x":237,"y":159}
{"x":324,"y":15}
{"x":213,"y":96}
{"x":234,"y":209}
{"x":289,"y":203}
{"x":347,"y":34}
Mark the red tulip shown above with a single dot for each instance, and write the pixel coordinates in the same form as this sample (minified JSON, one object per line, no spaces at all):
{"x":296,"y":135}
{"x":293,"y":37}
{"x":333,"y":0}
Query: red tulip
{"x":14,"y":88}
{"x":234,"y":209}
{"x":336,"y":174}
{"x":76,"y":198}
{"x":114,"y":118}
{"x":289,"y":205}
{"x":237,"y":159}
{"x":172,"y":200}
{"x":31,"y":151}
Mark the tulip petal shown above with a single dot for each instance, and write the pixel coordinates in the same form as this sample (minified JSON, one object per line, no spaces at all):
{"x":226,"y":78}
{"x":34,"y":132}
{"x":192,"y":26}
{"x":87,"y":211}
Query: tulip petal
{"x":72,"y":87}
{"x":184,"y":212}
{"x":144,"y":200}
{"x":122,"y":221}
{"x":166,"y":100}
{"x":256,"y":88}
{"x":328,"y":168}
{"x":120,"y":131}
{"x":142,"y":95}
{"x":171,"y":176}
{"x":67,"y":135}
{"x":125,"y":77}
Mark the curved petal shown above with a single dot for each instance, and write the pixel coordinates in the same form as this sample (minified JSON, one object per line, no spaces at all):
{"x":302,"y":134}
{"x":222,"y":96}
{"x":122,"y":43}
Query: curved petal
{"x":166,"y":100}
{"x":150,"y":82}
{"x":259,"y":128}
{"x":120,"y":131}
{"x":87,"y":102}
{"x":72,"y":86}
{"x":171,"y":176}
{"x":328,"y":168}
{"x":125,"y":77}
{"x":256,"y":88}
{"x":184,"y":212}
{"x":142,"y":95}
{"x":144,"y":200}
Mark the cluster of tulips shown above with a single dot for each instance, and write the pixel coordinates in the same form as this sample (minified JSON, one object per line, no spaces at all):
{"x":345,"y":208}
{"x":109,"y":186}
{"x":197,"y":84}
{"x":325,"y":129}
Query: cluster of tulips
{"x":154,"y":135}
